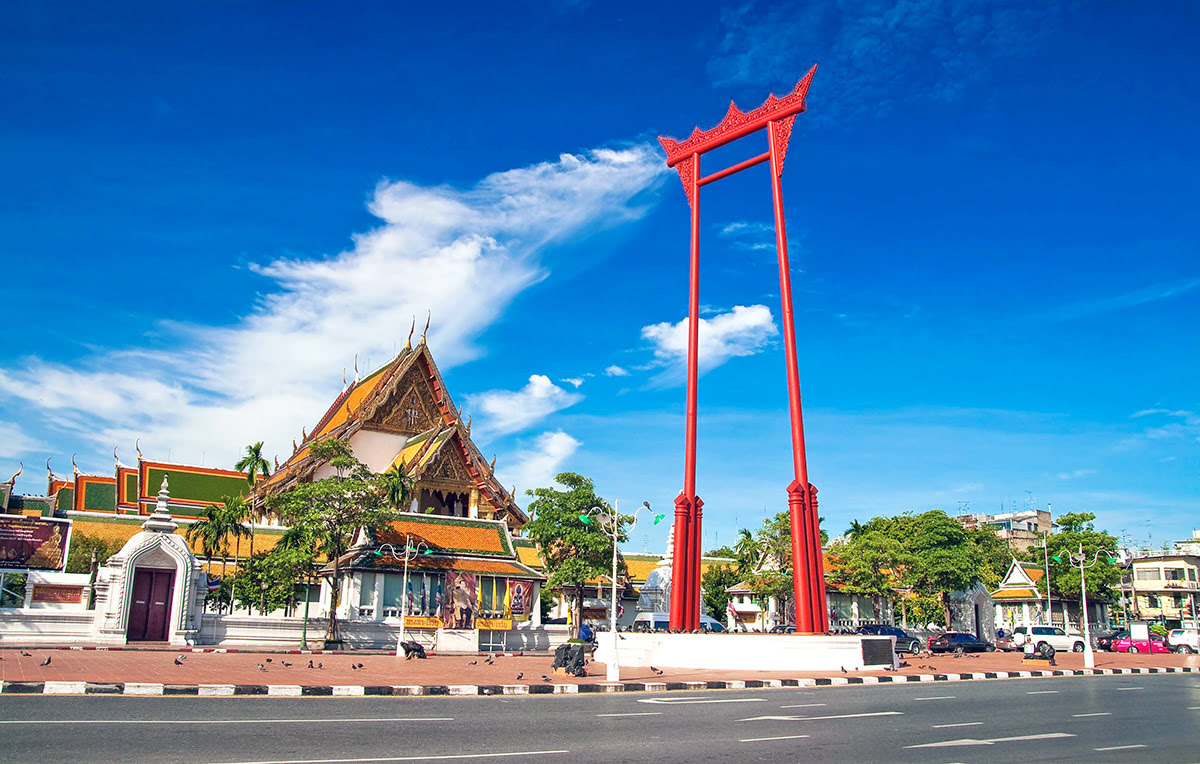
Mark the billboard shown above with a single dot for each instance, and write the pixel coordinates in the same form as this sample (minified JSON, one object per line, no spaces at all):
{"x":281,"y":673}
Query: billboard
{"x":33,"y":543}
{"x":458,"y":607}
{"x":518,"y":600}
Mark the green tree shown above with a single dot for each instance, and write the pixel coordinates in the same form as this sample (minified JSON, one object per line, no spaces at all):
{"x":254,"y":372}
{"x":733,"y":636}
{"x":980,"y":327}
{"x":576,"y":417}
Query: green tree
{"x":237,"y":520}
{"x":944,"y":552}
{"x":855,"y":528}
{"x":79,"y":560}
{"x":397,"y":488}
{"x":1073,"y":531}
{"x":574,"y":552}
{"x":332,"y":509}
{"x":714,"y":582}
{"x":748,"y":552}
{"x":872,"y":564}
{"x":255,"y":465}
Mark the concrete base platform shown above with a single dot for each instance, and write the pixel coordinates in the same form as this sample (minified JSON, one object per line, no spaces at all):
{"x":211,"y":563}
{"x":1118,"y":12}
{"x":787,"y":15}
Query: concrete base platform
{"x":748,"y":652}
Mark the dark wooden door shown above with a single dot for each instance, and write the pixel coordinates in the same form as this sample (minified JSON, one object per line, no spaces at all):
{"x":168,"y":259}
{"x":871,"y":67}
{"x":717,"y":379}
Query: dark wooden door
{"x":151,"y":607}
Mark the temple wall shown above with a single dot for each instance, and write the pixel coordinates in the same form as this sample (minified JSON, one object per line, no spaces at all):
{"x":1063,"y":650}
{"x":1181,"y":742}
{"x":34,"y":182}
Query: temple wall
{"x":375,"y":449}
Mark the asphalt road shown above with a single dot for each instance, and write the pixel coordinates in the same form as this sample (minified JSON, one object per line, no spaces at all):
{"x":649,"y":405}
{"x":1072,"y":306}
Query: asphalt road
{"x":1120,"y":718}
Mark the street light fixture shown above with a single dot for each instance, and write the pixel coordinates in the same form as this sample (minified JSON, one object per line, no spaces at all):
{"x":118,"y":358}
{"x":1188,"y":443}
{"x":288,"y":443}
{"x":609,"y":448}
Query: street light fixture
{"x":410,"y":552}
{"x":1077,"y":558}
{"x":610,"y":523}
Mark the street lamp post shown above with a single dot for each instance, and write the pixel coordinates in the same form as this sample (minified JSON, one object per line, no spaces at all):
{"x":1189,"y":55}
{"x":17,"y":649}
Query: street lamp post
{"x":1089,"y":657}
{"x":610,"y":523}
{"x":410,"y":552}
{"x":1049,"y":603}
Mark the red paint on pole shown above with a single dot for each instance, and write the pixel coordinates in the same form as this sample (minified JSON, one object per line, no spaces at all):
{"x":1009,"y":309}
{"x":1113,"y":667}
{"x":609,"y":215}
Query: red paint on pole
{"x":679,"y":562}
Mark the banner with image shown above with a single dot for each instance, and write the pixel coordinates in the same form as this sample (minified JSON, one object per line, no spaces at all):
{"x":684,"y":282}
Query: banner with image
{"x":34,"y":543}
{"x":518,"y":600}
{"x":458,"y":603}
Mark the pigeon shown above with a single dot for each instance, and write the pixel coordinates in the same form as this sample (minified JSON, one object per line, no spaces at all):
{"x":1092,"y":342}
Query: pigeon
{"x":178,"y":662}
{"x":262,"y":667}
{"x":26,"y":655}
{"x":352,"y":666}
{"x":888,"y":668}
{"x":656,"y":670}
{"x":903,"y":664}
{"x":545,"y":678}
{"x":472,"y":663}
{"x":45,"y":662}
{"x":520,"y":674}
{"x":268,"y":660}
{"x":360,"y":665}
{"x":320,"y":665}
{"x":488,"y":661}
{"x":310,"y":665}
{"x":843,"y":668}
{"x":286,"y":664}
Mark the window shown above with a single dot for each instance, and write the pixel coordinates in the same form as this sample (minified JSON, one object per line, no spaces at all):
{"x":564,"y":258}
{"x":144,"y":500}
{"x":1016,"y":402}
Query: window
{"x":1173,"y":574}
{"x":491,"y":596}
{"x":1191,"y":574}
{"x":1149,"y":574}
{"x":422,"y":597}
{"x":12,"y":589}
{"x":366,"y":592}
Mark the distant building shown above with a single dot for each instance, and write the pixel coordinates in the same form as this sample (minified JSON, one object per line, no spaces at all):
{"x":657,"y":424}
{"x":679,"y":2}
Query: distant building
{"x":1165,"y":588}
{"x":1020,"y":530}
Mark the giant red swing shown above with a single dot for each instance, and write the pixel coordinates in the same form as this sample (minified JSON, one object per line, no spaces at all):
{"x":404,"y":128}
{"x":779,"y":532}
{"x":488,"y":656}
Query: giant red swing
{"x":776,"y":116}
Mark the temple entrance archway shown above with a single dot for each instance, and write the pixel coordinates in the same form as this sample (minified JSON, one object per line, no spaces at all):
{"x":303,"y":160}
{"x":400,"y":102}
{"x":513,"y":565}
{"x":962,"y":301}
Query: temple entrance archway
{"x":150,"y":607}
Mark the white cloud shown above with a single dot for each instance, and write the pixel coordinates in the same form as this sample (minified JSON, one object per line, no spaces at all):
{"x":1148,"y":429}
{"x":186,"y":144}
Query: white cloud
{"x":1073,"y":474}
{"x":747,"y":235}
{"x":463,"y":254}
{"x":537,"y":466}
{"x":743,"y":331}
{"x":573,"y":381}
{"x":508,"y":411}
{"x":616,"y":371}
{"x":14,"y":442}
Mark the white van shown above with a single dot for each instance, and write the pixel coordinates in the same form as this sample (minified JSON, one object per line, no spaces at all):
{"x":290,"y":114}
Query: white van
{"x":662,"y":622}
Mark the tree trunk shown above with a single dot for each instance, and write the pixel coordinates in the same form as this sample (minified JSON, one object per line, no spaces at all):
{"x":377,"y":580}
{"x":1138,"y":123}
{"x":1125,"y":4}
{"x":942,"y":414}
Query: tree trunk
{"x":331,"y":630}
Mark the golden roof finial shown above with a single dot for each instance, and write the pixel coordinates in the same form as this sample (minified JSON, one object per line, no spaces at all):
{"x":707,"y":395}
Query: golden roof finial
{"x":468,"y":424}
{"x":428,"y":318}
{"x":137,"y":447}
{"x":20,"y":469}
{"x":74,"y":467}
{"x":356,"y":368}
{"x":116,"y":461}
{"x":492,"y":466}
{"x":277,"y":462}
{"x":343,"y":379}
{"x":294,"y":449}
{"x":411,"y":329}
{"x":303,"y":435}
{"x":49,"y":472}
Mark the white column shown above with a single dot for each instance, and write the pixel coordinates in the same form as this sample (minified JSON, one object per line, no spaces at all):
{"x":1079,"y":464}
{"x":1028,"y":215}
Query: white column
{"x":377,"y":596}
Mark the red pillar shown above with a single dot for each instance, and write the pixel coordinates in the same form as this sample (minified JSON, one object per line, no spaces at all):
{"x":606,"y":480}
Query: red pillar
{"x":817,"y":564}
{"x":683,"y":567}
{"x":693,"y":612}
{"x":806,"y":551}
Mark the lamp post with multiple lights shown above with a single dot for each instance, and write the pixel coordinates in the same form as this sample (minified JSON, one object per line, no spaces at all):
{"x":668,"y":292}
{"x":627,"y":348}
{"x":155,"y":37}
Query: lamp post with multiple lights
{"x":410,"y":552}
{"x":1078,"y":558}
{"x":611,"y":523}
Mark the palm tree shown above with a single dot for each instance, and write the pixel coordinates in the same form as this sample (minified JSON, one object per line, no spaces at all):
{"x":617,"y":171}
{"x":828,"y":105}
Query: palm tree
{"x":855,"y":529}
{"x":397,"y":487}
{"x":236,"y":514}
{"x":747,"y":550}
{"x":210,"y":532}
{"x":253,"y":464}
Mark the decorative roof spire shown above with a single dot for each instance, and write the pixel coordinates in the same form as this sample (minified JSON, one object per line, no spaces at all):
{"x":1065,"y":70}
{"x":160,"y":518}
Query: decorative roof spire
{"x":49,"y":472}
{"x":20,"y":468}
{"x":161,"y":521}
{"x":425,"y":331}
{"x":137,"y":446}
{"x":356,"y":368}
{"x":343,"y":379}
{"x":411,"y":329}
{"x":468,"y":425}
{"x":74,"y":467}
{"x":116,"y":461}
{"x":303,"y":435}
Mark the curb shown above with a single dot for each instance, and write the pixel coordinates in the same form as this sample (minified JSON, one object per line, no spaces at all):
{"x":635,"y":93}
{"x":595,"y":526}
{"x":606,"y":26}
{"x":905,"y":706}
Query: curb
{"x":296,"y":691}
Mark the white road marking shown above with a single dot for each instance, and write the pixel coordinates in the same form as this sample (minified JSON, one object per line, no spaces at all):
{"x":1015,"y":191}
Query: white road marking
{"x":1131,"y":688}
{"x":1194,"y":708}
{"x":804,"y":705}
{"x":1042,"y":692}
{"x":781,"y":737}
{"x":430,"y":757}
{"x":1098,"y":713}
{"x":224,"y":721}
{"x":1120,"y":747}
{"x":992,"y":741}
{"x":818,"y":718}
{"x":959,"y":724}
{"x":688,"y":701}
{"x":937,"y":697}
{"x":636,"y":713}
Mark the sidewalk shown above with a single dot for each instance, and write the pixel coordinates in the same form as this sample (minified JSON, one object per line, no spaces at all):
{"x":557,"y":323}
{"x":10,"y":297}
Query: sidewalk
{"x":154,"y":671}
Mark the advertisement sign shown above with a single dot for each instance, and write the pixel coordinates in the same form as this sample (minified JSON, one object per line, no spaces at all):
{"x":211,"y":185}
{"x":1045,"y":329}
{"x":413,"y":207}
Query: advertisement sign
{"x":458,"y":604}
{"x":518,"y":600}
{"x":34,"y":543}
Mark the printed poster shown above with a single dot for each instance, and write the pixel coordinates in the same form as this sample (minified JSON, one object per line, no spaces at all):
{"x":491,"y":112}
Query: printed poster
{"x":458,"y":604}
{"x":34,"y":543}
{"x":518,"y":600}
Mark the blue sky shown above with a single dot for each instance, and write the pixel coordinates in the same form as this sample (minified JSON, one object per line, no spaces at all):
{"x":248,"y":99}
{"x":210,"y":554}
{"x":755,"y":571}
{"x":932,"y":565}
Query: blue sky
{"x":208,"y":209}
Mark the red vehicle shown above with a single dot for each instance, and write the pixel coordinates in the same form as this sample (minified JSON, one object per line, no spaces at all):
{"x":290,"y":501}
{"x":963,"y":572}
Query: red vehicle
{"x":1157,"y":645}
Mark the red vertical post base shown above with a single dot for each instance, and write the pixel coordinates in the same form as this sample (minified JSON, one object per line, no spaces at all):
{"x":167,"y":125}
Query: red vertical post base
{"x":692,"y":614}
{"x":679,"y":561}
{"x":801,"y":565}
{"x":817,"y":563}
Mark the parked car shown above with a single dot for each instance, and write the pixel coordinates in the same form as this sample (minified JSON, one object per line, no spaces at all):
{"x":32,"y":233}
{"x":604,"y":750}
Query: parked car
{"x":711,"y":625}
{"x":662,"y":622}
{"x":1156,"y":645}
{"x":783,"y":628}
{"x":959,"y":642}
{"x":905,"y":642}
{"x":1106,"y":639}
{"x":1047,"y":635}
{"x":1184,"y":640}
